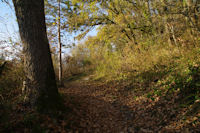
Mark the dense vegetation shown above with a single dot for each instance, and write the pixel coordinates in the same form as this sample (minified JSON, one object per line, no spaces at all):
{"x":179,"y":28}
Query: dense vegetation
{"x":145,"y":56}
{"x":151,"y":44}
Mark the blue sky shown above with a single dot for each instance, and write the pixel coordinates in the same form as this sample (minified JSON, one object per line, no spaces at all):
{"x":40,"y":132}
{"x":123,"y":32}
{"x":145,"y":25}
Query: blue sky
{"x":8,"y":23}
{"x":8,"y":30}
{"x":9,"y":26}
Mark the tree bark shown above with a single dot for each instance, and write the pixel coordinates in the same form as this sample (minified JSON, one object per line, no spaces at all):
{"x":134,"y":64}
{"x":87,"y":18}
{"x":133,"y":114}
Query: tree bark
{"x":41,"y":89}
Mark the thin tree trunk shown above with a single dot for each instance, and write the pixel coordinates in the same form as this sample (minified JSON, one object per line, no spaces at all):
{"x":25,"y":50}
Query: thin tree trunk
{"x":149,"y":10}
{"x":173,"y":35}
{"x":41,"y":89}
{"x":60,"y":47}
{"x":193,"y":15}
{"x":167,"y":32}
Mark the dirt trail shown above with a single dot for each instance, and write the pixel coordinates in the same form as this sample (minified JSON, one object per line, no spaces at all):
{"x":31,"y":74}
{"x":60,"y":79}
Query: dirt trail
{"x":96,"y":110}
{"x":113,"y":108}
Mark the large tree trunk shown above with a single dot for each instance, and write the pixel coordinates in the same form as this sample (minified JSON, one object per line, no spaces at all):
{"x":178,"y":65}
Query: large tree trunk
{"x":41,"y":89}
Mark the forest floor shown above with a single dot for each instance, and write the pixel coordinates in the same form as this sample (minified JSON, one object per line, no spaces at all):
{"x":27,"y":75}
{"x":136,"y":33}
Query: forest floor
{"x":99,"y":107}
{"x":113,"y":108}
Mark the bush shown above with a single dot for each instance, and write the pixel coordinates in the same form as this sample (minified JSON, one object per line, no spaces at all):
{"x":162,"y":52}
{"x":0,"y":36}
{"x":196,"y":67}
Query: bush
{"x":11,"y":80}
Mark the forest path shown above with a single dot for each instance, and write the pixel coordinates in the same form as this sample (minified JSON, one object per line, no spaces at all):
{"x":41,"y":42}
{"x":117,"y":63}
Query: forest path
{"x":96,"y":108}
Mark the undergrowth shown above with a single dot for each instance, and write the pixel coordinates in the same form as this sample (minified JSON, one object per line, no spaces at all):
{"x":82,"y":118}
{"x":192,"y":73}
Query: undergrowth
{"x":11,"y":80}
{"x":160,"y":69}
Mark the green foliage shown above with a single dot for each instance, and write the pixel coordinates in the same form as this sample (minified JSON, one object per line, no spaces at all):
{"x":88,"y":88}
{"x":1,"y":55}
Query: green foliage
{"x":109,"y":66}
{"x":181,"y":76}
{"x":188,"y":83}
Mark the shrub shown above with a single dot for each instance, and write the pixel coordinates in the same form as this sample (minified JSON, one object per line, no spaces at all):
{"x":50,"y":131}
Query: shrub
{"x":11,"y":79}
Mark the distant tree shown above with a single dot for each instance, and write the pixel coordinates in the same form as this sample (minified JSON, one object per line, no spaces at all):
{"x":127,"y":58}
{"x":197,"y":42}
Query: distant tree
{"x":55,"y":17}
{"x":59,"y":46}
{"x":41,"y":89}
